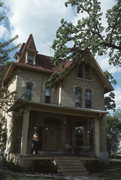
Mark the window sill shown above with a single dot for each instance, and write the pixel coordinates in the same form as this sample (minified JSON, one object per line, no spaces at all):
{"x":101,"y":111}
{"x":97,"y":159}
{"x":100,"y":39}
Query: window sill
{"x":83,"y":79}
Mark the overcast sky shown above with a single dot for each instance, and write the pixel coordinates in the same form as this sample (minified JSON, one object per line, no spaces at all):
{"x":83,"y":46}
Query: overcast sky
{"x":42,"y":18}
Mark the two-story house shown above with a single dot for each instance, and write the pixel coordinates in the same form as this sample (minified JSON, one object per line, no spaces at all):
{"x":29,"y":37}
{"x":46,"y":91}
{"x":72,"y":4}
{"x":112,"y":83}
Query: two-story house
{"x":69,"y":116}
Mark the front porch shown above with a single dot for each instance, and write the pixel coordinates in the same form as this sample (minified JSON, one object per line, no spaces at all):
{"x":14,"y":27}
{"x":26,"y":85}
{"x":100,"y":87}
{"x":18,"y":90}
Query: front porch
{"x":62,"y":131}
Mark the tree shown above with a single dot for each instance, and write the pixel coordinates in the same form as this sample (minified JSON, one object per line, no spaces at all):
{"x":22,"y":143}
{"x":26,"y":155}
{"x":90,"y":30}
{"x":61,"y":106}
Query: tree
{"x":89,"y":32}
{"x":5,"y":48}
{"x":110,"y":98}
{"x":117,"y":113}
{"x":113,"y":125}
{"x":6,"y":98}
{"x":90,"y":35}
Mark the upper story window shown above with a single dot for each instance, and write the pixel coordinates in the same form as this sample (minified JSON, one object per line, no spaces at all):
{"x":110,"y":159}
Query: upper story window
{"x":30,"y":58}
{"x":78,"y":99}
{"x":87,"y":71}
{"x":80,"y":71}
{"x":88,"y":98}
{"x":28,"y":91}
{"x":47,"y":95}
{"x":84,"y":71}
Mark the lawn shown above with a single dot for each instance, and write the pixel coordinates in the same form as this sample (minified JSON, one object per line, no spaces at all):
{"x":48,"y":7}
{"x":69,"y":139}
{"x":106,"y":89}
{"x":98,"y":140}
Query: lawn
{"x":35,"y":178}
{"x":113,"y":171}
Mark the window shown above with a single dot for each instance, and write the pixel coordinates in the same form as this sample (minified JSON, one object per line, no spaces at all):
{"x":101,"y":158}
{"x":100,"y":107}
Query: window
{"x":47,"y":95}
{"x":28,"y":91}
{"x":88,"y":98}
{"x":87,"y":69}
{"x":80,"y":71}
{"x":84,"y":71}
{"x":78,"y":97}
{"x":30,"y":58}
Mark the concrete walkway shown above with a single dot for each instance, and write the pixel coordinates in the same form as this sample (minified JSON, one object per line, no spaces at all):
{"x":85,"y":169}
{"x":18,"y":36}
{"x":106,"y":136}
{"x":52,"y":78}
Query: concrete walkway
{"x":6,"y":175}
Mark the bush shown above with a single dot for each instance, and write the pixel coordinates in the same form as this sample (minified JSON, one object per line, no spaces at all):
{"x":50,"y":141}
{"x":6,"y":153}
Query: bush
{"x":95,"y":166}
{"x":42,"y":166}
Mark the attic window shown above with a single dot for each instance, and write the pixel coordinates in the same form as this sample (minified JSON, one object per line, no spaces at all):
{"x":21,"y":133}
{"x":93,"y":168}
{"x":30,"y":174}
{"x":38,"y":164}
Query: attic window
{"x":30,"y":58}
{"x":84,"y":71}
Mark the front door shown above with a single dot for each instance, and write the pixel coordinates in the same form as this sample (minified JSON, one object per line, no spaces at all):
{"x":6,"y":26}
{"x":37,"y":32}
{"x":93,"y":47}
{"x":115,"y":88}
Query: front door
{"x":52,"y":134}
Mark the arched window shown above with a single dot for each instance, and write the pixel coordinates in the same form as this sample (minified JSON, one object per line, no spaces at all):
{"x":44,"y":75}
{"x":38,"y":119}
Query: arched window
{"x":88,"y":98}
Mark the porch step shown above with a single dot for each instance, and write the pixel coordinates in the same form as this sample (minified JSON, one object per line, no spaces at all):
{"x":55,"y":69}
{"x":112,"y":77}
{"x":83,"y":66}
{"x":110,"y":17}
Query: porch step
{"x":70,"y":166}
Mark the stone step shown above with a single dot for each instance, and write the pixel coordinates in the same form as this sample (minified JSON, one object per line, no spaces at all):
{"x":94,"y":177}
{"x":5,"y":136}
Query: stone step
{"x":70,"y":166}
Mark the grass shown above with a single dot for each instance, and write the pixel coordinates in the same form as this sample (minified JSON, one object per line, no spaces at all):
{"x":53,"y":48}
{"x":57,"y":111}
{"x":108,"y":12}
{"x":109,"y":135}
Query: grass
{"x":34,"y":178}
{"x":113,"y":172}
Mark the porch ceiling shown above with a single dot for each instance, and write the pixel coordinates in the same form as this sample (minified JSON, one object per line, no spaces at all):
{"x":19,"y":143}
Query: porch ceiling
{"x":56,"y":109}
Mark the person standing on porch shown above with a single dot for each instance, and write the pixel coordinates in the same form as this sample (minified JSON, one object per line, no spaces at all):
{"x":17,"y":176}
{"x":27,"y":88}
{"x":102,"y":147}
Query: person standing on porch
{"x":35,"y":140}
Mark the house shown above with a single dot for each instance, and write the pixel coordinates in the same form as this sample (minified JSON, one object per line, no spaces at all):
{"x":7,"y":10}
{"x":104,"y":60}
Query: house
{"x":69,"y":116}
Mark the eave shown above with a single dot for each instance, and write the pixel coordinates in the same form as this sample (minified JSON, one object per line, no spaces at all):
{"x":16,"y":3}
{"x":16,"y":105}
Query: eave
{"x":27,"y":67}
{"x":56,"y":109}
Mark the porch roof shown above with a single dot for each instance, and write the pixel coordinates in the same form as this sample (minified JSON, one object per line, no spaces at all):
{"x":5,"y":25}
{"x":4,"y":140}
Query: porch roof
{"x":56,"y":109}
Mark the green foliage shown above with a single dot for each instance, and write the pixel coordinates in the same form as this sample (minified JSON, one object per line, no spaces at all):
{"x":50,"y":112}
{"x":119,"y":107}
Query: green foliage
{"x":110,"y":99}
{"x":113,"y":125}
{"x":6,"y":98}
{"x":94,"y":166}
{"x":117,"y":113}
{"x":4,"y":46}
{"x":89,"y":32}
{"x":3,"y":132}
{"x":50,"y":83}
{"x":12,"y":166}
{"x":42,"y":166}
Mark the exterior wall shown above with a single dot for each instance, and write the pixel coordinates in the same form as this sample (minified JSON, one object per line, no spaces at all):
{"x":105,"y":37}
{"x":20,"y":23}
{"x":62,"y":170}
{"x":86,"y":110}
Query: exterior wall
{"x":72,"y":81}
{"x":38,"y":90}
{"x":9,"y":116}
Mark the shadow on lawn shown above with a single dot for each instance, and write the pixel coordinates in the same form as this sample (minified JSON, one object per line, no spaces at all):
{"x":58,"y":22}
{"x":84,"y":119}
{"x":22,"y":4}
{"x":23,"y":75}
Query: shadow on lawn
{"x":113,"y":171}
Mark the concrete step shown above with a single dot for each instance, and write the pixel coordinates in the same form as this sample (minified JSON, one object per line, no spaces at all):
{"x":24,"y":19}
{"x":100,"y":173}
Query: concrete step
{"x":70,"y":166}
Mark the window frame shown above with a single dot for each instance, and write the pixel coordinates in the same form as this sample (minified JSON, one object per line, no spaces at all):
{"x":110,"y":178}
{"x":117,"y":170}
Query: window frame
{"x":78,"y":102}
{"x":47,"y":94}
{"x":82,"y":72}
{"x":32,"y":59}
{"x":88,"y":101}
{"x":28,"y":91}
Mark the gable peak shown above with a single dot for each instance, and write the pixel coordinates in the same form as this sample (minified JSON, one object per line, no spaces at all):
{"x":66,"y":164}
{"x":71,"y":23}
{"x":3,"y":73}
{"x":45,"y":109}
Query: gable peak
{"x":30,"y":44}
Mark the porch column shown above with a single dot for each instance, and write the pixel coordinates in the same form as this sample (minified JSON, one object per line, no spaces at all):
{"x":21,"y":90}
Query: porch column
{"x":24,"y":136}
{"x":97,"y":137}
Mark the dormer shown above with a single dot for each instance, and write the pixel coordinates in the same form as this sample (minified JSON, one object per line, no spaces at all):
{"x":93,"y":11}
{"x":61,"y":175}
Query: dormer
{"x":28,"y":52}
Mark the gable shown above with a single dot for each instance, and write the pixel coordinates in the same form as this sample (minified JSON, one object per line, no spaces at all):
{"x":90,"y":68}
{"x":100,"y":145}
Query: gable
{"x":86,"y":57}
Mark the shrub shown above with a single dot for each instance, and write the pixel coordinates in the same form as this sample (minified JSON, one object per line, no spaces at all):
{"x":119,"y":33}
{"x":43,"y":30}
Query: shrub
{"x":42,"y":166}
{"x":94,"y":166}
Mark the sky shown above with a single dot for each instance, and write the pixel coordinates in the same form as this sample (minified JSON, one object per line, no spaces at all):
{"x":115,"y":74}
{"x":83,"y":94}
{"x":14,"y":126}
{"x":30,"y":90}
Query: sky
{"x":42,"y":18}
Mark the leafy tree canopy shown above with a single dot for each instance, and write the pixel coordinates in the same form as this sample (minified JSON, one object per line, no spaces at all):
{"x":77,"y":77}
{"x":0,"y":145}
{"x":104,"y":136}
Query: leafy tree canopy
{"x":113,"y":125}
{"x":6,"y":98}
{"x":89,"y":32}
{"x":110,"y":98}
{"x":4,"y":46}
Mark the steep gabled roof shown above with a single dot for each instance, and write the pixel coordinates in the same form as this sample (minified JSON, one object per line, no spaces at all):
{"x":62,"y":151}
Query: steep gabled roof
{"x":44,"y":64}
{"x":107,"y":85}
{"x":28,"y":46}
